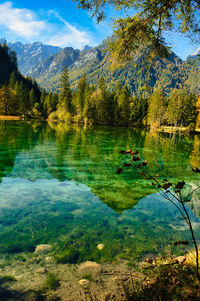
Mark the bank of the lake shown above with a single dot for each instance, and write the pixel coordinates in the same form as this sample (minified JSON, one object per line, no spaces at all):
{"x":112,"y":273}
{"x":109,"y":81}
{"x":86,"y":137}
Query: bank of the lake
{"x":32,"y":277}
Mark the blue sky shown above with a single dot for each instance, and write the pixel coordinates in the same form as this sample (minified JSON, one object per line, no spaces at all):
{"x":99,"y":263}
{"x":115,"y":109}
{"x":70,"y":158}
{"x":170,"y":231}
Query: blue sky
{"x":60,"y":23}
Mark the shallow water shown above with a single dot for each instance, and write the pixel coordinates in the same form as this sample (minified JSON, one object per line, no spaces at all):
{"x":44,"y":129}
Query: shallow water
{"x":59,"y":186}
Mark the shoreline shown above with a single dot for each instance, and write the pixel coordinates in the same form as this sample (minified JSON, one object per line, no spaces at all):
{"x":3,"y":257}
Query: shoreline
{"x":165,"y":129}
{"x":34,"y":277}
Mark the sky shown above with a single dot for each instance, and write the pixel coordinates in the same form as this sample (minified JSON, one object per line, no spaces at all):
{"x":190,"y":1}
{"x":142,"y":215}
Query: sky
{"x":61,"y":23}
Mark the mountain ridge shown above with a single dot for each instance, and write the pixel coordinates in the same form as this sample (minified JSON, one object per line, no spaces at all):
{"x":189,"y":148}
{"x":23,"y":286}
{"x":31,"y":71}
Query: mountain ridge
{"x":94,"y":62}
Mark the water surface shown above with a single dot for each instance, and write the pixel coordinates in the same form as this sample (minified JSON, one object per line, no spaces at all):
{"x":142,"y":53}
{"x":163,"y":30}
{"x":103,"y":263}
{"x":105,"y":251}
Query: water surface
{"x":58,"y":185}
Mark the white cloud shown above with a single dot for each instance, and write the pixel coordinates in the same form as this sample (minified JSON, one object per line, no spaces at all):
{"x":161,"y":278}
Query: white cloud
{"x":24,"y":24}
{"x":69,"y":35}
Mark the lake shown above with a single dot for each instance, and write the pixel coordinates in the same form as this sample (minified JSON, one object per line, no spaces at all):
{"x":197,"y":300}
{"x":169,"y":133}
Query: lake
{"x":59,"y":186}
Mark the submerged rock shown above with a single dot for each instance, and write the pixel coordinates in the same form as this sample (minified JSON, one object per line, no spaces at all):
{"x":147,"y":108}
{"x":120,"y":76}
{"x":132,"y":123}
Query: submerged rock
{"x":42,"y":249}
{"x":89,"y":268}
{"x":100,"y":246}
{"x":48,"y":259}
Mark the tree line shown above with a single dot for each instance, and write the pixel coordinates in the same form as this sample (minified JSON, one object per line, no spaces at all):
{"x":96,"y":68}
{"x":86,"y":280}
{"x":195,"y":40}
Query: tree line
{"x":100,"y":106}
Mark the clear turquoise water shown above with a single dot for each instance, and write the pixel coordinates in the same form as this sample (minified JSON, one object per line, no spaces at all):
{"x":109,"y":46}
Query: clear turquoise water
{"x":58,"y":185}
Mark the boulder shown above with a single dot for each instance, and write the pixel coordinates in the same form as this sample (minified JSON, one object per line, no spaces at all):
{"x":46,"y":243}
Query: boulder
{"x":89,"y":268}
{"x":42,"y":249}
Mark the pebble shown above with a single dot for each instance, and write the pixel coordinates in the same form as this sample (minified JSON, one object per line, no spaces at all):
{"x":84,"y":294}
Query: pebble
{"x":83,"y":282}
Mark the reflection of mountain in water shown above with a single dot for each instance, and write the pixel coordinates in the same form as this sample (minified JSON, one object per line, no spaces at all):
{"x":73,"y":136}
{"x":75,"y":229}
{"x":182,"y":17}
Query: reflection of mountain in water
{"x":91,"y":156}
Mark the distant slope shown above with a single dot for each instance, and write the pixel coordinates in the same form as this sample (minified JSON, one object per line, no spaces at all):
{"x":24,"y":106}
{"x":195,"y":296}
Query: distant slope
{"x":55,"y":64}
{"x":31,"y":54}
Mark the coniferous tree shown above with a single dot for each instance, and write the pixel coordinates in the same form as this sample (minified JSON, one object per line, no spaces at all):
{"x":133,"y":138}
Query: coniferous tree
{"x":89,"y":107}
{"x":123,"y":100}
{"x":79,"y":99}
{"x":139,"y":108}
{"x":12,"y":80}
{"x":157,"y":109}
{"x":65,"y":96}
{"x":31,"y":97}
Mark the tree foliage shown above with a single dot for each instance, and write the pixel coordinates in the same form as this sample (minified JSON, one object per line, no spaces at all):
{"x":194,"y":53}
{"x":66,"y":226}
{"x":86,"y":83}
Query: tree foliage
{"x":147,"y":24}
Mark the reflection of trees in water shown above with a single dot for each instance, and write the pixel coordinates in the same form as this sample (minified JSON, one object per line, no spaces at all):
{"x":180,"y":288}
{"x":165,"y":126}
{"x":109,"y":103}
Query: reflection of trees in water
{"x":14,"y":138}
{"x":91,"y":156}
{"x":195,"y":155}
{"x":176,"y":155}
{"x":169,"y":154}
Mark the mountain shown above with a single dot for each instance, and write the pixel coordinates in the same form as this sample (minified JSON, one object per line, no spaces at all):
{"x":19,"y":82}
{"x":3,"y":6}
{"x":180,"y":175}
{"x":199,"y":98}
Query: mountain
{"x":45,"y":63}
{"x":86,"y":47}
{"x":29,"y":55}
{"x":167,"y":73}
{"x":54,"y":64}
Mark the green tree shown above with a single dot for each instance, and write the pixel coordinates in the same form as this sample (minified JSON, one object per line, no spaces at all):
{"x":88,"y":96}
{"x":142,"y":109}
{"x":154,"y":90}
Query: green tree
{"x":31,"y":97}
{"x":181,"y":110}
{"x":65,"y":96}
{"x":23,"y":98}
{"x":101,"y":99}
{"x":89,"y":107}
{"x":8,"y":101}
{"x":139,"y":108}
{"x":79,"y":99}
{"x":157,"y":109}
{"x":12,"y":80}
{"x":123,"y":101}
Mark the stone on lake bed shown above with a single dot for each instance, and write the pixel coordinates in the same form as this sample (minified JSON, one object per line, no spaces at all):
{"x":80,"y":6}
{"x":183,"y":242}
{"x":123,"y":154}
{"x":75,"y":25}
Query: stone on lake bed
{"x":41,"y":270}
{"x":42,"y":249}
{"x":48,"y":259}
{"x":83,"y":282}
{"x":100,"y":246}
{"x":89,"y":268}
